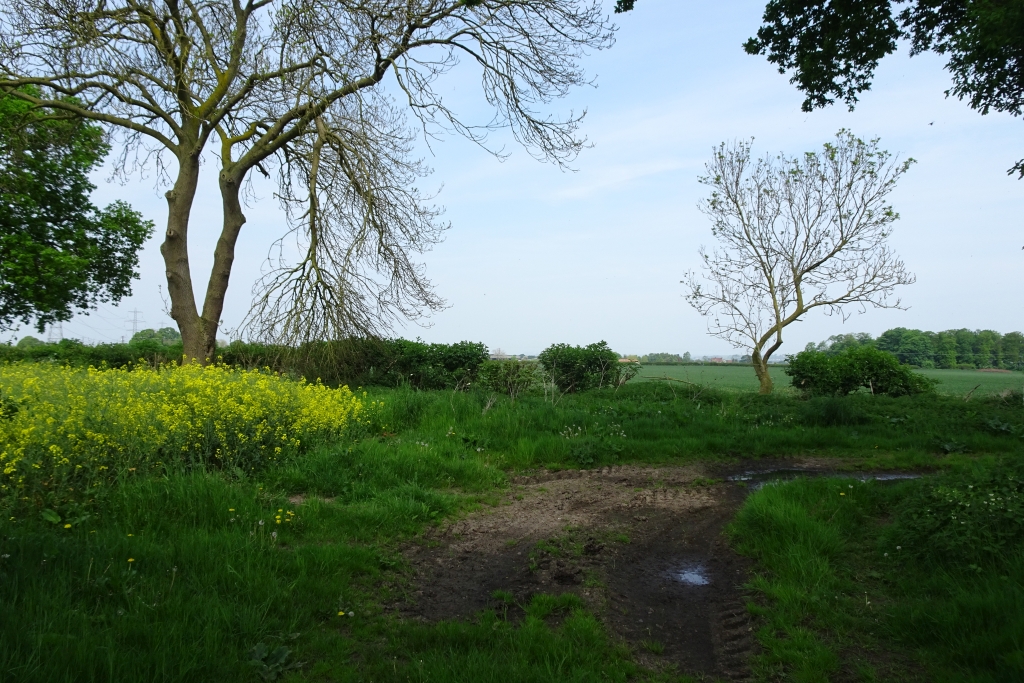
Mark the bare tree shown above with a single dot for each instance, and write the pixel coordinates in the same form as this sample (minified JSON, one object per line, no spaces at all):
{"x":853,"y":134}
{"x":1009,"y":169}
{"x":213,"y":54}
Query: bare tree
{"x":795,"y":234}
{"x":296,"y":85}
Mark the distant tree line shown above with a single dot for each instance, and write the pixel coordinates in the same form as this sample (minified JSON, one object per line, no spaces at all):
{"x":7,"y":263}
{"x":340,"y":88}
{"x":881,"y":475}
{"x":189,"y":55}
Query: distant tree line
{"x":666,"y":358}
{"x":949,"y":349}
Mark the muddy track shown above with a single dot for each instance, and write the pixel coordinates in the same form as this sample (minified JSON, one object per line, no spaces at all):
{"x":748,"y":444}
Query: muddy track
{"x":642,"y":546}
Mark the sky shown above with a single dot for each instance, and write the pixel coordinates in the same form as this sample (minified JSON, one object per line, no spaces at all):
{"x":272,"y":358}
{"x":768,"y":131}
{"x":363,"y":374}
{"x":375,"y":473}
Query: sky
{"x":537,"y":255}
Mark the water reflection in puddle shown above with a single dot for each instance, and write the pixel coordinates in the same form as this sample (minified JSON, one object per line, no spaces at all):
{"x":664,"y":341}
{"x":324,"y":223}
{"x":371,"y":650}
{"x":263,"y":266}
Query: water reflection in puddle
{"x":691,"y":575}
{"x":756,"y":480}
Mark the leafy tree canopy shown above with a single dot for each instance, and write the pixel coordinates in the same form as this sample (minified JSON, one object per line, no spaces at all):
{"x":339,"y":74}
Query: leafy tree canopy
{"x":833,"y":46}
{"x":58,"y":252}
{"x":948,"y":349}
{"x":165,"y":335}
{"x":28,"y":342}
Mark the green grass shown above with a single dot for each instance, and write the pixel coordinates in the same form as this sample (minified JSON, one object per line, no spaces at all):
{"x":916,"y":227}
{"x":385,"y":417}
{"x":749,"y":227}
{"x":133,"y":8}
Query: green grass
{"x":852,"y":590}
{"x":742,"y":378}
{"x":209,"y":588}
{"x":667,"y":422}
{"x":176,"y":579}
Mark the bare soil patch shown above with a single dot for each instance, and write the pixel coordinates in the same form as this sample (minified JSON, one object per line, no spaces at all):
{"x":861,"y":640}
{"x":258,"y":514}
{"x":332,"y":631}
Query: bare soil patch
{"x":643,"y":546}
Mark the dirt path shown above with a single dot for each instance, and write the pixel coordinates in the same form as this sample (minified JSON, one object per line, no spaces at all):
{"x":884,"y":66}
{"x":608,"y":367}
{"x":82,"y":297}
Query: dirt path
{"x":642,"y":546}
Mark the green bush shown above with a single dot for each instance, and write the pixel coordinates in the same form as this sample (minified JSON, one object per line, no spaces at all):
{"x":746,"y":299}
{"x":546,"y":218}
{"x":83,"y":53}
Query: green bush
{"x":864,"y":367}
{"x":356,"y":362}
{"x":75,"y":353}
{"x":578,"y":368}
{"x":512,"y":377}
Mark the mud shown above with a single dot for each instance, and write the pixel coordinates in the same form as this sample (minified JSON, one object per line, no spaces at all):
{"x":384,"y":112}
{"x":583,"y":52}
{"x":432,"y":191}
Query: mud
{"x":642,"y":546}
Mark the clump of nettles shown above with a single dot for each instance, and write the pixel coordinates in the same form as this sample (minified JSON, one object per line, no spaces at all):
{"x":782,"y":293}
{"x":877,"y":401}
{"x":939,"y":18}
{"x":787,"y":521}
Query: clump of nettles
{"x":962,"y":519}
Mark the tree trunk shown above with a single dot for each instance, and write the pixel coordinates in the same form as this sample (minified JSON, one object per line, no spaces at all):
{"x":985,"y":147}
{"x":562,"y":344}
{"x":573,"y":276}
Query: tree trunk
{"x":761,"y":370}
{"x":175,"y":252}
{"x":223,"y":258}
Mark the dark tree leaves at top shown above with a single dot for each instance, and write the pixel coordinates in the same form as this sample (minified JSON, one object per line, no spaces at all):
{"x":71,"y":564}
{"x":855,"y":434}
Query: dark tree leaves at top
{"x":833,"y":46}
{"x":58,"y":252}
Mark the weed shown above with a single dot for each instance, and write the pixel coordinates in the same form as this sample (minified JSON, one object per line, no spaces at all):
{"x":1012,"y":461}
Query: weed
{"x":270,"y":664}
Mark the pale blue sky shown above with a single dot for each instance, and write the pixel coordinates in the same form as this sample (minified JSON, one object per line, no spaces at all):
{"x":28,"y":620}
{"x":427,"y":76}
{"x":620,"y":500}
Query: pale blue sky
{"x":537,"y":255}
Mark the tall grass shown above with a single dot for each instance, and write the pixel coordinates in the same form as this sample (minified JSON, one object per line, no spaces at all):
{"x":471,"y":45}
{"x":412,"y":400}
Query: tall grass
{"x":850,"y":588}
{"x":660,"y":423}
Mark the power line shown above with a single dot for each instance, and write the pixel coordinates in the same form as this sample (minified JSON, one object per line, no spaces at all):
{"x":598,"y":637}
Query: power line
{"x":135,"y":320}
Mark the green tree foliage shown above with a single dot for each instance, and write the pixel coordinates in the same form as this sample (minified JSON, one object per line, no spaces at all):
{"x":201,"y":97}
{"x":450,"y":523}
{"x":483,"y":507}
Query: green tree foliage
{"x":840,"y":342}
{"x":578,"y":368}
{"x":664,"y":358}
{"x":58,"y":252}
{"x":864,"y":367}
{"x":944,"y":355}
{"x":832,"y":47}
{"x":949,"y":349}
{"x":165,"y":335}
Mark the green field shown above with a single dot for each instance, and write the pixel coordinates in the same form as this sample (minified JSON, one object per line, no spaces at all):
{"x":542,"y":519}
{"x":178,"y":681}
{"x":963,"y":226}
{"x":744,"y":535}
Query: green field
{"x":742,"y":378}
{"x":731,"y":377}
{"x":959,"y":382}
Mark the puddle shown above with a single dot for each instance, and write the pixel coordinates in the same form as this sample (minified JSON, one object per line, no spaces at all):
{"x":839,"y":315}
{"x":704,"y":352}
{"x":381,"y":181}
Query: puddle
{"x":758,"y":479}
{"x":691,"y":575}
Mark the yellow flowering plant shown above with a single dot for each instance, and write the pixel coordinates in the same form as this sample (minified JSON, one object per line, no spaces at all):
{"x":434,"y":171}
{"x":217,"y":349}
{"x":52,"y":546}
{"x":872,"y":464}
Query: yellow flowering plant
{"x":65,"y":432}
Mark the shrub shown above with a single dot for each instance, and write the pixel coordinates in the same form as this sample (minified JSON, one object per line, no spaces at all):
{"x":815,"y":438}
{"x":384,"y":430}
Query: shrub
{"x":578,"y":368}
{"x":817,"y":373}
{"x":512,"y":377}
{"x":367,"y":362}
{"x":65,"y":432}
{"x":356,"y":361}
{"x":434,"y":366}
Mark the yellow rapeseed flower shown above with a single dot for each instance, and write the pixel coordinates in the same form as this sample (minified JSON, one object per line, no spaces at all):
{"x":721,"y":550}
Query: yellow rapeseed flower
{"x":83,"y":427}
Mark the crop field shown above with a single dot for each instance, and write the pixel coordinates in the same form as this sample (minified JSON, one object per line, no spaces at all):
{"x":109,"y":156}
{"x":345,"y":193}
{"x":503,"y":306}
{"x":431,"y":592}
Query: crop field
{"x":197,"y":524}
{"x":742,"y":378}
{"x":959,"y":382}
{"x":728,"y":377}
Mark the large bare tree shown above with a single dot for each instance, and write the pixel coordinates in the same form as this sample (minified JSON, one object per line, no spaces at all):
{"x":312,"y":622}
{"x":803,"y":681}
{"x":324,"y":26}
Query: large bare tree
{"x":317,"y":91}
{"x":795,"y":234}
